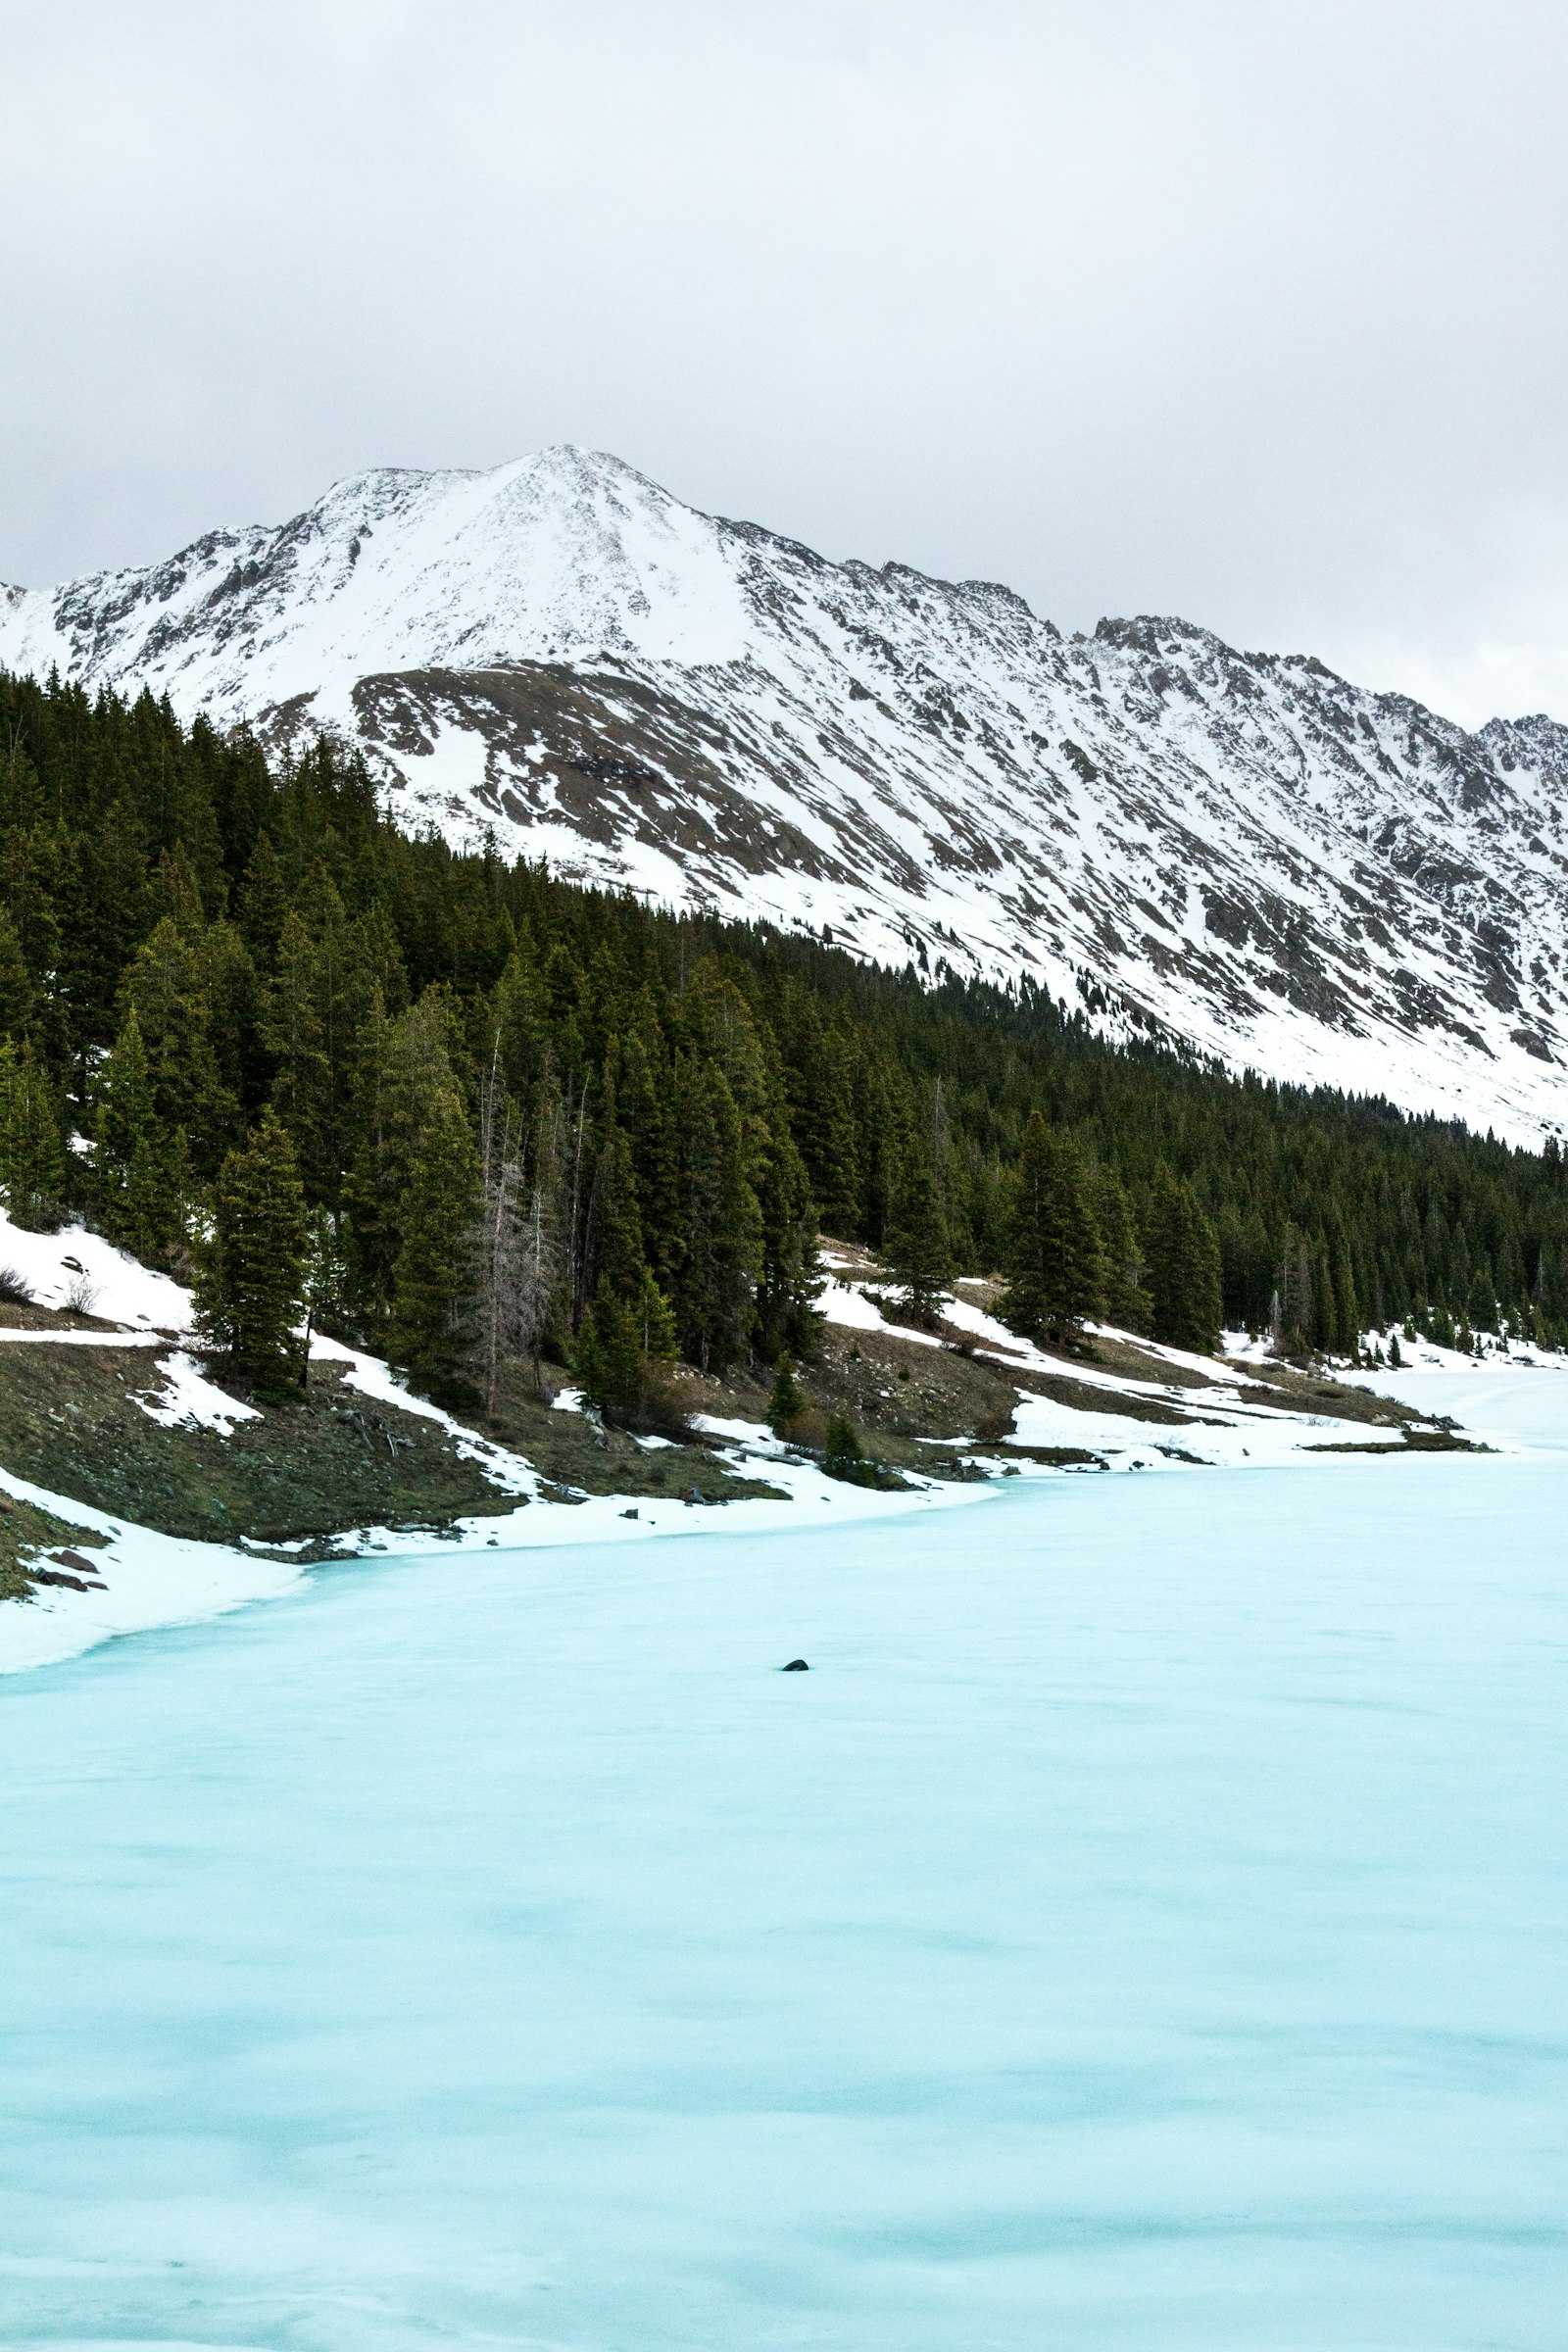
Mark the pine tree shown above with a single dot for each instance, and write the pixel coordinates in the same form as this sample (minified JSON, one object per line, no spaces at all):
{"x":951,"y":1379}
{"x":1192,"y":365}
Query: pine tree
{"x":790,"y":1278}
{"x":252,"y":1267}
{"x":1346,"y":1304}
{"x":293,"y":1032}
{"x":175,"y":894}
{"x":647,"y":1112}
{"x":1184,"y":1271}
{"x":1294,"y":1291}
{"x":373,"y":1175}
{"x":1125,"y":1302}
{"x":113,"y":898}
{"x":499,"y":1235}
{"x":165,"y":988}
{"x":32,"y":1159}
{"x":823,"y":1063}
{"x":608,"y":1355}
{"x":788,"y":1401}
{"x":429,"y":1333}
{"x":140,"y":1172}
{"x":1055,"y":1260}
{"x":616,"y":1254}
{"x":263,"y":906}
{"x":842,"y":1443}
{"x":19,"y":998}
{"x":620,"y":1343}
{"x":917,"y":1250}
{"x":722,"y":1225}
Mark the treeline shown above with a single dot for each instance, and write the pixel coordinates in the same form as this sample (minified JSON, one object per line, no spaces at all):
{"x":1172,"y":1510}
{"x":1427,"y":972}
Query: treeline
{"x":499,"y":1114}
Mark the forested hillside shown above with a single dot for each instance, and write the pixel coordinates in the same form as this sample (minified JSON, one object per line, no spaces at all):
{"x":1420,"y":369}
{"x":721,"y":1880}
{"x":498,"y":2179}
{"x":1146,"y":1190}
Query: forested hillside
{"x":466,"y":1109}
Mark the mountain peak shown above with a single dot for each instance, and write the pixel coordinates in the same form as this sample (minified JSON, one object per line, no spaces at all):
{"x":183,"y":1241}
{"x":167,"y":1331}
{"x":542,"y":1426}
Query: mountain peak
{"x":1241,"y":850}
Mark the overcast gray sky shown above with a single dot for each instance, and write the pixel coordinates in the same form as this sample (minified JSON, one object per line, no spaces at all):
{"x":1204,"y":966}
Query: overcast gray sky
{"x":1249,"y":313}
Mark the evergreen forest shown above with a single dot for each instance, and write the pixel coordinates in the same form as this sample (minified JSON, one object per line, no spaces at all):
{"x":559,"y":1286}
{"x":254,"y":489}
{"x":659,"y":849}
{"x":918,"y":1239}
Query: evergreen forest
{"x":458,"y":1111}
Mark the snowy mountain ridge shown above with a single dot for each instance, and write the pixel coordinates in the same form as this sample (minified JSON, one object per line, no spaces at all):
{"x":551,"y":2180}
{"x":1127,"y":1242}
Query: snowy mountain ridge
{"x":1300,"y":876}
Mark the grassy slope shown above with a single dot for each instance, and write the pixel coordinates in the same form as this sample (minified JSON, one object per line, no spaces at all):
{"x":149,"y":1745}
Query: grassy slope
{"x":335,"y":1460}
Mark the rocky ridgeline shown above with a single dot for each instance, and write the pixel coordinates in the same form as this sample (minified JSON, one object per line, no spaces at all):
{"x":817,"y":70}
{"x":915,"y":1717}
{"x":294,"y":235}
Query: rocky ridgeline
{"x":1239,"y":849}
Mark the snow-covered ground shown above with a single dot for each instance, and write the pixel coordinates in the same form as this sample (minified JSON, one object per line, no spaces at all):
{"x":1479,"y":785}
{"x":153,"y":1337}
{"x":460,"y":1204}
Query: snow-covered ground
{"x":1225,"y":1430}
{"x":1511,"y":1402}
{"x":1141,"y":1931}
{"x":153,"y":1581}
{"x":923,"y":768}
{"x":82,"y":1271}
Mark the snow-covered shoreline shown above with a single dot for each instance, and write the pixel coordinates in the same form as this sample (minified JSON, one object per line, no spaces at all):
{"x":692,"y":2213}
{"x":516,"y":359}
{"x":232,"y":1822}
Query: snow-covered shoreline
{"x":153,"y":1581}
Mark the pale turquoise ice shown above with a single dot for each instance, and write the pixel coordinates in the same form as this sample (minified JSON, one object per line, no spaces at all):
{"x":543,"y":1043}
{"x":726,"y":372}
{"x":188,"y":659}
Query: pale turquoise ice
{"x":1144,"y":1926}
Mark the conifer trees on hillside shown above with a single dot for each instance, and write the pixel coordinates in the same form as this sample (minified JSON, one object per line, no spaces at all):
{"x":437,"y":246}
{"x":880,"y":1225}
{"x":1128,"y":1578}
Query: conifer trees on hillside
{"x":917,"y":1246}
{"x":1055,"y":1259}
{"x":32,"y":1159}
{"x":526,"y":1117}
{"x":251,"y":1269}
{"x":1184,"y":1267}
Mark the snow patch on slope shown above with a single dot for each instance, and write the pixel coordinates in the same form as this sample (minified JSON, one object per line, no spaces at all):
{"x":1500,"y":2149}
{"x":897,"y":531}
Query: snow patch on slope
{"x":1293,"y":874}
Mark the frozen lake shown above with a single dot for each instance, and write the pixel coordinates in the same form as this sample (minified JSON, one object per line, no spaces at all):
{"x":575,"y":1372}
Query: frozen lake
{"x":1144,"y":1926}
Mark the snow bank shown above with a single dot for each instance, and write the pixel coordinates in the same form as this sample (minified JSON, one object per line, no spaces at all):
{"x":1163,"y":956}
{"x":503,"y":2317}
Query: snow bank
{"x":1222,"y":1431}
{"x":155,"y":1580}
{"x":152,"y":1579}
{"x":80,"y":1269}
{"x":188,"y":1400}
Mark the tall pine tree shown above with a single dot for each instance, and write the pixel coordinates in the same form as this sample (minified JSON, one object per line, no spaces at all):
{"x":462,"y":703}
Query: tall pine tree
{"x":252,"y":1272}
{"x":1055,"y":1260}
{"x":1184,"y":1270}
{"x":918,"y":1250}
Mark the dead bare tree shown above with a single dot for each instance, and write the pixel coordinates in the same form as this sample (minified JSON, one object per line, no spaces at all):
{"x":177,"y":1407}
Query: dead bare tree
{"x":519,"y":1238}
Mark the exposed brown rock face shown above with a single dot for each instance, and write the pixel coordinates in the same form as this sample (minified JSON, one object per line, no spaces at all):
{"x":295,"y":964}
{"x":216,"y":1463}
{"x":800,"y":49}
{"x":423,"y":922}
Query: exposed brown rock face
{"x":1243,"y":849}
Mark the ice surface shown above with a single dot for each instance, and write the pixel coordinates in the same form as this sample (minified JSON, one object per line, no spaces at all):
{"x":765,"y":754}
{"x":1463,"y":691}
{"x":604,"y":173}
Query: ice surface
{"x":1143,"y":1926}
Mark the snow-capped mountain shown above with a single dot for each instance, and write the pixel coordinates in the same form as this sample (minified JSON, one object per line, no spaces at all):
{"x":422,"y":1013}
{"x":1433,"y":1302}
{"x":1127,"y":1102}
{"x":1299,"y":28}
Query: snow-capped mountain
{"x":1319,"y":882}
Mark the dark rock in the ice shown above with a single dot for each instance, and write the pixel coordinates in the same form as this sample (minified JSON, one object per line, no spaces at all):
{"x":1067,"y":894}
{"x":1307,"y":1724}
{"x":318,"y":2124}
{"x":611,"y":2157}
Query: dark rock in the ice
{"x":796,"y":1666}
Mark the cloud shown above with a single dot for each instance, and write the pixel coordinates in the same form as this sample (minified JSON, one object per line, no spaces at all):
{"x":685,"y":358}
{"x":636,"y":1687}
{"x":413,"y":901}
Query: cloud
{"x":1251,"y":315}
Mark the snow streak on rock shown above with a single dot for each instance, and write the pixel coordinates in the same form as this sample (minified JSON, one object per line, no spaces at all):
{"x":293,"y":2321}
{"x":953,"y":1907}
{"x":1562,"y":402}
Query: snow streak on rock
{"x":1299,"y":876}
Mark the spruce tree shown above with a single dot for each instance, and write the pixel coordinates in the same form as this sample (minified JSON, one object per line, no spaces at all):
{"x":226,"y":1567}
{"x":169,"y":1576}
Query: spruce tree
{"x":141,"y":1168}
{"x":166,"y":987}
{"x":1347,"y":1303}
{"x":429,"y":1333}
{"x":917,"y":1250}
{"x":1055,"y":1261}
{"x":1125,"y":1302}
{"x":252,"y":1267}
{"x":293,"y":1032}
{"x":32,"y":1159}
{"x":1184,"y":1271}
{"x":262,"y":904}
{"x":19,"y":998}
{"x":647,"y":1112}
{"x":841,"y":1441}
{"x":617,"y":1257}
{"x":788,"y":1401}
{"x":722,"y":1225}
{"x":608,"y":1355}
